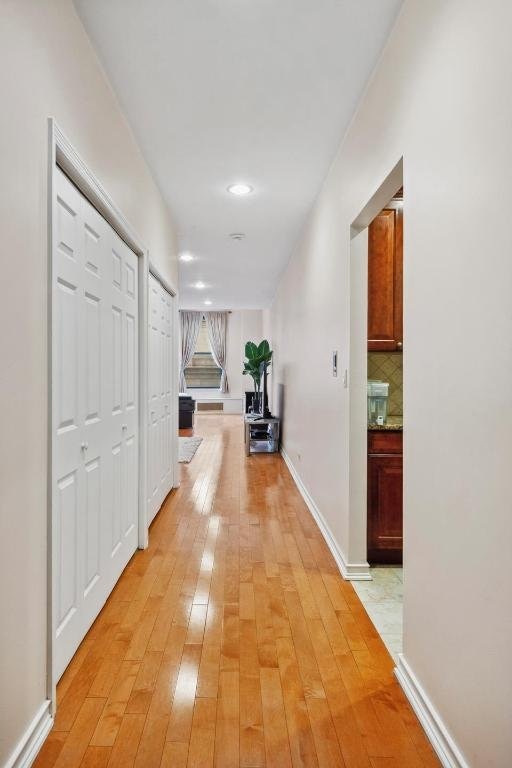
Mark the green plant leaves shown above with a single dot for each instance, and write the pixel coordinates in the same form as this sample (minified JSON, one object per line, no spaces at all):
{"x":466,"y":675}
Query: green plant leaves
{"x":251,"y":350}
{"x":258,"y":359}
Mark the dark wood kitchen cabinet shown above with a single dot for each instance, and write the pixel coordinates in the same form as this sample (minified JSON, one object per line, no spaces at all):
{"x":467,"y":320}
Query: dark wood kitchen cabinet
{"x":385,"y":277}
{"x":385,"y":494}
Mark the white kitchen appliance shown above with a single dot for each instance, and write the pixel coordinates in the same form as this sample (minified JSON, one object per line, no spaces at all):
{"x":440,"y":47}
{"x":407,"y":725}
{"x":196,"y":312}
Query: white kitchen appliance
{"x":378,"y":392}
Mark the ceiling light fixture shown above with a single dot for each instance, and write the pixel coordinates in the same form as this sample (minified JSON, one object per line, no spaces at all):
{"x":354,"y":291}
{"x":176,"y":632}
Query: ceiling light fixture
{"x":240,"y":189}
{"x":199,"y":285}
{"x":186,"y":256}
{"x":207,"y":302}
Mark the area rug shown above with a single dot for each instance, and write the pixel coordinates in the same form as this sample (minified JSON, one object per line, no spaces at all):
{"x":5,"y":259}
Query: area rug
{"x":188,"y":447}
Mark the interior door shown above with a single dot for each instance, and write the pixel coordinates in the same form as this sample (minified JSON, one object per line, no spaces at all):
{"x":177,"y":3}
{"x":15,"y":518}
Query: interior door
{"x":160,"y":392}
{"x":94,"y":413}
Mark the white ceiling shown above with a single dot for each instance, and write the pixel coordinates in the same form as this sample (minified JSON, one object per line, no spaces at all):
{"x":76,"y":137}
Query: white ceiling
{"x":218,"y":91}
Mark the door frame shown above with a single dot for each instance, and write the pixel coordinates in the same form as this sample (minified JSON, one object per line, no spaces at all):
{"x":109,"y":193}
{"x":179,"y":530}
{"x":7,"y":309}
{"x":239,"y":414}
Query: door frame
{"x":61,"y":153}
{"x":358,"y":355}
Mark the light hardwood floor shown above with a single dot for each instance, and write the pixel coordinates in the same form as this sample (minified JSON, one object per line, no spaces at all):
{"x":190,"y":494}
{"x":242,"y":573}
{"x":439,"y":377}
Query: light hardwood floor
{"x":233,"y":640}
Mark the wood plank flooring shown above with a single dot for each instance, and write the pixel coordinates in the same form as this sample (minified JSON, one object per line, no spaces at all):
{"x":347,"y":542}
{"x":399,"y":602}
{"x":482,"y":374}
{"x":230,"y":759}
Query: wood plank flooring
{"x":232,"y":640}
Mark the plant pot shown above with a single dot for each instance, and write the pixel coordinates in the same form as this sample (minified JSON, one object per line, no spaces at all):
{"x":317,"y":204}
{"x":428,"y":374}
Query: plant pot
{"x":257,"y":402}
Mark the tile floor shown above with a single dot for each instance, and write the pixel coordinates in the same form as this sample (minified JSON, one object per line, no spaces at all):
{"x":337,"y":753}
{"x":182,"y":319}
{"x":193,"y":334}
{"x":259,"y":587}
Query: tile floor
{"x":383,"y":601}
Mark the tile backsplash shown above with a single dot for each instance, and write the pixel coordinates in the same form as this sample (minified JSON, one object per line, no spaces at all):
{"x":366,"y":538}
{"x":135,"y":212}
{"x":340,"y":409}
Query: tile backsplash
{"x":387,"y":366}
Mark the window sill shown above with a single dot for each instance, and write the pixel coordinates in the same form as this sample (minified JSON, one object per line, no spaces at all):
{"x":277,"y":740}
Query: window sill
{"x":212,"y":394}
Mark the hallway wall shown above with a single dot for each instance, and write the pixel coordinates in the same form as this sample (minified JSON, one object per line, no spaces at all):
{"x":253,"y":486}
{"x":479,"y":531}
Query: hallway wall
{"x":244,"y":325}
{"x":440,"y":97}
{"x":48,"y":69}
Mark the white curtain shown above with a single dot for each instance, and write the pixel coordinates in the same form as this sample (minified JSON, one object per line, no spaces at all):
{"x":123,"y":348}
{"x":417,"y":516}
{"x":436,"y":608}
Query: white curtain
{"x":190,"y":322}
{"x":216,"y":323}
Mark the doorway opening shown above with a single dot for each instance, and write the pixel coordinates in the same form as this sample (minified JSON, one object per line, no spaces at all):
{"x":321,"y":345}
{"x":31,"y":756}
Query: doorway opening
{"x":376,"y":406}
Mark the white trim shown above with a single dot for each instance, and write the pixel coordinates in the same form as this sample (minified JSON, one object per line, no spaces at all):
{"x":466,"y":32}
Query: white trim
{"x":176,"y":390}
{"x":143,"y":533}
{"x":165,"y":283}
{"x":349,"y":571}
{"x":204,"y":394}
{"x":232,"y":405}
{"x":73,"y":166}
{"x":445,"y":748}
{"x":32,"y":740}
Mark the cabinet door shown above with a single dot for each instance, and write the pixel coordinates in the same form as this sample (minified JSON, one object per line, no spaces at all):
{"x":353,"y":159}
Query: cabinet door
{"x":385,"y":509}
{"x":385,"y":257}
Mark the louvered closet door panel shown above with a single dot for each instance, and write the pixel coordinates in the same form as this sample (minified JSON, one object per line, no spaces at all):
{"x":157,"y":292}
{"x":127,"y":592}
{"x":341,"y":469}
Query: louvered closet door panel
{"x":95,"y":413}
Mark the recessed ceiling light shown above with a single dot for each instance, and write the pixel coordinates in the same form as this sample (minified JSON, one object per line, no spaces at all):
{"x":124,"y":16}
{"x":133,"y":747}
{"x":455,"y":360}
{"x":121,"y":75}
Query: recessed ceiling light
{"x":186,"y":256}
{"x":240,"y":189}
{"x":237,"y":235}
{"x":200,"y":285}
{"x":207,"y":302}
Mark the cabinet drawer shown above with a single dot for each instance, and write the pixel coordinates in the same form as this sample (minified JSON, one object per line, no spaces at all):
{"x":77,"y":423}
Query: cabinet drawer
{"x":382,"y":442}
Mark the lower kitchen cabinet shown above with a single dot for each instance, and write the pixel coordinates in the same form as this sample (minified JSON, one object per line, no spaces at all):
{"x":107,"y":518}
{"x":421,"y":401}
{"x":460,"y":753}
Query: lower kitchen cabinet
{"x":385,"y":497}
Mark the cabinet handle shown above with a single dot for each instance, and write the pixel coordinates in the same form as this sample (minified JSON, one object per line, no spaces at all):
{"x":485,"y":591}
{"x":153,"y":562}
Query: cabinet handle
{"x":399,"y":345}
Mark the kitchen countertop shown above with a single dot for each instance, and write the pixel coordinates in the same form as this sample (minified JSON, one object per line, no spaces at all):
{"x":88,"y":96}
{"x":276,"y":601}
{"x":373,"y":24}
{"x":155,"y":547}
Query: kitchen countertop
{"x":393,"y":424}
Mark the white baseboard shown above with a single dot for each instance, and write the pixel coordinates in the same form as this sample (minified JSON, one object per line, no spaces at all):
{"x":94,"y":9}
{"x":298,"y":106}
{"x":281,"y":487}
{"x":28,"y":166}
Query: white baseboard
{"x":32,"y":740}
{"x":446,"y":749}
{"x":349,"y":571}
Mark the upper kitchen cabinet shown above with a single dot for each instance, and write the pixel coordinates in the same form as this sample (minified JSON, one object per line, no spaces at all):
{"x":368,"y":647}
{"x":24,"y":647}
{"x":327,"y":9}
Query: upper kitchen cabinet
{"x":385,"y":266}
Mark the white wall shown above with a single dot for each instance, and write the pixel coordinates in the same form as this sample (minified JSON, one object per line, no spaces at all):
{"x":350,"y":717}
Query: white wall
{"x":244,"y":325}
{"x":440,"y":98}
{"x":48,"y":69}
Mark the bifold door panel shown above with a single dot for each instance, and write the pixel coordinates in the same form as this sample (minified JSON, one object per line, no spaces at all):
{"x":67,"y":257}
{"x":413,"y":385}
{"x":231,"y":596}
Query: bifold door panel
{"x":95,"y":462}
{"x":160,"y":421}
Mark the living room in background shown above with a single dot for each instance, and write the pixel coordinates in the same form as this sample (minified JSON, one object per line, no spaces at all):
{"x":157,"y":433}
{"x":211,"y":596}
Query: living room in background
{"x":202,"y":371}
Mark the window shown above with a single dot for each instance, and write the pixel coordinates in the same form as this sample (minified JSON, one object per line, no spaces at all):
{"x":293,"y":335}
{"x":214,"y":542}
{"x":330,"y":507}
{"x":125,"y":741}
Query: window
{"x":203,"y":372}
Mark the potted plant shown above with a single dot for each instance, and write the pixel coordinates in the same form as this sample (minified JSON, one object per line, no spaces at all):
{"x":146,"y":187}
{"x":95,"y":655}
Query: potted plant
{"x":258,"y":359}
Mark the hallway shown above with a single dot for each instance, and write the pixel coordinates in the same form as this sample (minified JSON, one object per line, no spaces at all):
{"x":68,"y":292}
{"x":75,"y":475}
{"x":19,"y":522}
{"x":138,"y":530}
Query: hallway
{"x":233,"y":640}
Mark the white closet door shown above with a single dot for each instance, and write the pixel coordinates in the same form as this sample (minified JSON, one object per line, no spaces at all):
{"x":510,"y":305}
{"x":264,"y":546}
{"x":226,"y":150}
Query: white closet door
{"x":95,"y":414}
{"x":160,"y":422}
{"x":167,"y":465}
{"x":122,"y":380}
